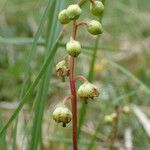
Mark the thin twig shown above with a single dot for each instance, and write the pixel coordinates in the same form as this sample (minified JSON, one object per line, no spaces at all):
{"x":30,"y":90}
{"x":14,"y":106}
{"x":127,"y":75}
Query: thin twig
{"x":81,"y":78}
{"x":66,"y":99}
{"x":82,"y":23}
{"x":114,"y":129}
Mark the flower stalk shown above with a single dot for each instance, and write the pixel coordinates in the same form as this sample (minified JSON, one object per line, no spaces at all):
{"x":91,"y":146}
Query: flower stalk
{"x":73,"y":92}
{"x":115,"y":128}
{"x":66,"y":67}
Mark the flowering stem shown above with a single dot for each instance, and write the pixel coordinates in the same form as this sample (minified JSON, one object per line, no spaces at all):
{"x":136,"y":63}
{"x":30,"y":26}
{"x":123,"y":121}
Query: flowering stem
{"x":114,"y":129}
{"x":73,"y":92}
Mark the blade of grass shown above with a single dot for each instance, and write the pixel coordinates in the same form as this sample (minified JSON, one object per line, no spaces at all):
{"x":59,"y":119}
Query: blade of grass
{"x":90,"y":78}
{"x":129,"y":74}
{"x":31,"y":88}
{"x":118,"y":99}
{"x":3,"y":144}
{"x":29,"y":58}
{"x":53,"y":31}
{"x":24,"y":40}
{"x":41,"y":41}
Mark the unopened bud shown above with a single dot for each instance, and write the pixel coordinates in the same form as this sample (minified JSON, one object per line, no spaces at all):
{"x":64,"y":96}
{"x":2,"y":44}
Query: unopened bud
{"x":94,"y":27}
{"x":63,"y":17}
{"x":108,"y":119}
{"x":96,"y":8}
{"x":73,"y":48}
{"x":73,"y":11}
{"x":126,"y":110}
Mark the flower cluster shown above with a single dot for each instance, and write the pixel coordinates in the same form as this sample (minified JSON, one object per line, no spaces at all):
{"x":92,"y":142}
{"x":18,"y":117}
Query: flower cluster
{"x":86,"y":90}
{"x":114,"y":116}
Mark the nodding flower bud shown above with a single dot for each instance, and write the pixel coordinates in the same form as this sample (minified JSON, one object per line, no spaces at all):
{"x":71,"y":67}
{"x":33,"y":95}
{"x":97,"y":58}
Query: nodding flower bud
{"x":96,"y":8}
{"x":126,"y":110}
{"x":87,"y":91}
{"x":114,"y":116}
{"x":108,"y":119}
{"x":62,"y":115}
{"x":94,"y":27}
{"x":63,"y":18}
{"x":62,"y":69}
{"x":74,"y":11}
{"x":73,"y":48}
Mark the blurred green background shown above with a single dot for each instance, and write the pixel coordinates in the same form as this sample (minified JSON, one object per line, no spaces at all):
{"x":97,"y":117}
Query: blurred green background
{"x":120,"y":68}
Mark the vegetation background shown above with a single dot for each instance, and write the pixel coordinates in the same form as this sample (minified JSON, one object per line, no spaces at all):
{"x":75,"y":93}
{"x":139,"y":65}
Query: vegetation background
{"x":118,"y":62}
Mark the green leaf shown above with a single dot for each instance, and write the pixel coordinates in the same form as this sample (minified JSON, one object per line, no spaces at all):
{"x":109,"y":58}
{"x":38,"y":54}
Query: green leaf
{"x":29,"y":58}
{"x":31,"y":88}
{"x":3,"y":144}
{"x":53,"y":31}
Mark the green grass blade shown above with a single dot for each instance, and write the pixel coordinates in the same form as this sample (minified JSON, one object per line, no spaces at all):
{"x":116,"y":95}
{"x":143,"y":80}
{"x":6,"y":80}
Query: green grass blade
{"x":53,"y":31}
{"x":25,"y":40}
{"x":42,"y":42}
{"x":29,"y":58}
{"x":129,"y":74}
{"x":3,"y":144}
{"x":31,"y":88}
{"x":118,"y":99}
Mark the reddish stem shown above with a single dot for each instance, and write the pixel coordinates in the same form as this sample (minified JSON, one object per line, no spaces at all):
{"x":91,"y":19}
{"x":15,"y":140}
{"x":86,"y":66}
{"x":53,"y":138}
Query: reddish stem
{"x":66,"y":99}
{"x":73,"y":93}
{"x":81,"y":78}
{"x":82,"y":23}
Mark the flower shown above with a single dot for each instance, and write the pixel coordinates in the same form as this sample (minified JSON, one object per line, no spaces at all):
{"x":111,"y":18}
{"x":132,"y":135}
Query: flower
{"x":62,"y":69}
{"x":87,"y":91}
{"x":62,"y":115}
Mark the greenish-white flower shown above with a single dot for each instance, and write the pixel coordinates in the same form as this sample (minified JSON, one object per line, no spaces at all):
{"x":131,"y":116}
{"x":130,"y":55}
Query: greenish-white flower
{"x":62,"y":115}
{"x":62,"y":69}
{"x":87,"y":91}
